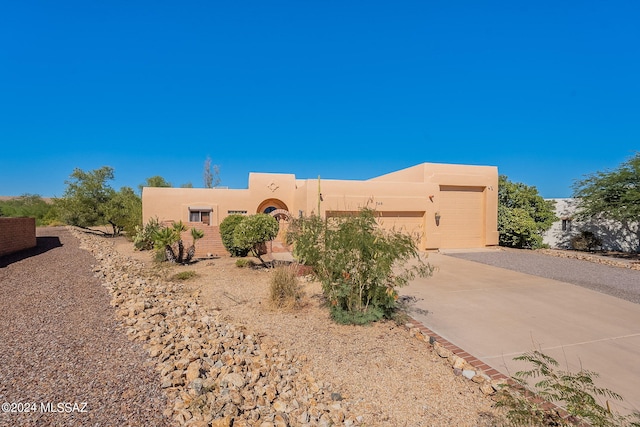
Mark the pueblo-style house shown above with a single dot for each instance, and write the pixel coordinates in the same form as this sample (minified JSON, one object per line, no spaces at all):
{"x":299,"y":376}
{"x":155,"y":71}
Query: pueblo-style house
{"x":443,"y":205}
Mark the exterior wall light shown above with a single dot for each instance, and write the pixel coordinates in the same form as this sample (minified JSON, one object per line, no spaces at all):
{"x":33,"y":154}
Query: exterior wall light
{"x":437,"y":216}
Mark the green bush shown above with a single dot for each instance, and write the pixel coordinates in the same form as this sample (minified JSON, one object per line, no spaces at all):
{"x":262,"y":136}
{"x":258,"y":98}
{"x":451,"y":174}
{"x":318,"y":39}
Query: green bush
{"x":306,"y":234}
{"x":576,"y":392}
{"x":244,"y":262}
{"x":164,"y":238}
{"x":585,"y":241}
{"x":143,"y":237}
{"x":359,"y":265}
{"x":168,"y":244}
{"x":227,"y":227}
{"x":29,"y":205}
{"x":254,"y":231}
{"x":184,"y":275}
{"x":523,"y":215}
{"x":285,"y":290}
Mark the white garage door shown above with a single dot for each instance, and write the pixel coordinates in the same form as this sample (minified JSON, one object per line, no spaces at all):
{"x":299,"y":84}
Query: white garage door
{"x":462,"y":217}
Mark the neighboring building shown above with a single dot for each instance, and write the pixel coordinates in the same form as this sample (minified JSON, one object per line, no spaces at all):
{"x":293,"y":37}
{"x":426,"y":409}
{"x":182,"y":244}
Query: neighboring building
{"x":444,"y":206}
{"x":614,"y":236}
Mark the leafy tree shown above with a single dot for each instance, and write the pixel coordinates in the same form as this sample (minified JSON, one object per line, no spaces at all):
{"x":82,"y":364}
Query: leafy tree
{"x":154,"y":181}
{"x":612,"y":195}
{"x":124,"y":211}
{"x":254,"y":231}
{"x":186,"y":185}
{"x":88,"y":201}
{"x":85,"y":197}
{"x":227,"y":227}
{"x":359,"y":264}
{"x":28,"y":205}
{"x":523,"y":215}
{"x":211,"y":174}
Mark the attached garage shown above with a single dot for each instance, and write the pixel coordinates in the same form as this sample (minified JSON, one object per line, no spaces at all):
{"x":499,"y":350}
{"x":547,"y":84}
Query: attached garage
{"x":406,"y":222}
{"x":462,"y":217}
{"x":444,"y":205}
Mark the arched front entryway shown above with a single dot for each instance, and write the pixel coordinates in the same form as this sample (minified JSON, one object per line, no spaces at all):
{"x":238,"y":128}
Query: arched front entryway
{"x":271,"y":205}
{"x":279,"y":210}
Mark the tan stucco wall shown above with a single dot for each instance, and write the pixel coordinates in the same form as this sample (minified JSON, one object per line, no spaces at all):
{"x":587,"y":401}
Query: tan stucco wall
{"x":404,"y":192}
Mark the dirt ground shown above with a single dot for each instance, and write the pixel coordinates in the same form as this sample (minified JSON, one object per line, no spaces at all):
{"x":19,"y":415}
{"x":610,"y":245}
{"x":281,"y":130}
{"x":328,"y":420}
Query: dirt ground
{"x":393,"y":378}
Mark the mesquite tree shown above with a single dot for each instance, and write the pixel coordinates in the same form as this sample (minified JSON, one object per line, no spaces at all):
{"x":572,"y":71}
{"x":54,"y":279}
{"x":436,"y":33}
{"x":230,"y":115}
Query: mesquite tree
{"x":613,"y":195}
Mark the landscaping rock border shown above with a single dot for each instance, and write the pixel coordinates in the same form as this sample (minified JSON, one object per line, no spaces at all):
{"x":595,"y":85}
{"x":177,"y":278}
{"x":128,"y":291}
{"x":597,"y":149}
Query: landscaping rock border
{"x":212,"y":371}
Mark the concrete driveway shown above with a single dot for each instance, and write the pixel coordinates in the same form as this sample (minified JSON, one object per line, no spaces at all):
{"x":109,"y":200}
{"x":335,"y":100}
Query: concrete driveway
{"x":497,"y":314}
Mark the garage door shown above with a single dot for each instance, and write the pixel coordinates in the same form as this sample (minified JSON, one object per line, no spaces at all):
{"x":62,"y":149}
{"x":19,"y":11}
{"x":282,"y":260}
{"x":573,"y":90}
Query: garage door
{"x":406,"y":222}
{"x":409,"y":222}
{"x":462,"y":220}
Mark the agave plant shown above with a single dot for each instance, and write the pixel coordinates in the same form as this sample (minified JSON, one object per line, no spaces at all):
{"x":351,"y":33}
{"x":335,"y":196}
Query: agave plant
{"x":195,"y":235}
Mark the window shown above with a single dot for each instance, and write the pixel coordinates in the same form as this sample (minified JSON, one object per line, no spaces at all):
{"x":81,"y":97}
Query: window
{"x":237,"y":212}
{"x":566,"y":225}
{"x":200,"y":215}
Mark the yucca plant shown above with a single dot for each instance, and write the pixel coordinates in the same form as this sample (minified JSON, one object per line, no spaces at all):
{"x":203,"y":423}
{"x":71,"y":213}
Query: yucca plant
{"x":195,"y":235}
{"x":164,"y":238}
{"x":178,"y":228}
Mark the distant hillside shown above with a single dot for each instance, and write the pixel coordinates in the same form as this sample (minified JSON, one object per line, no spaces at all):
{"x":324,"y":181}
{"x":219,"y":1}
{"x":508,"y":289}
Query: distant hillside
{"x":5,"y":198}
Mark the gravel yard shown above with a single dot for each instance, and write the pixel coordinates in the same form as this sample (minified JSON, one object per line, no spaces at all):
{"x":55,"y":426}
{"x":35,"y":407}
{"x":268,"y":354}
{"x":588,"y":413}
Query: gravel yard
{"x":64,"y":342}
{"x":61,"y":344}
{"x":615,"y":281}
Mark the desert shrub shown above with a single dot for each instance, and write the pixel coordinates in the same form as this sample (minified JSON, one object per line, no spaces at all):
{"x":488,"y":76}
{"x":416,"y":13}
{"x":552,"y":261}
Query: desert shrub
{"x":244,"y":262}
{"x":585,"y":241}
{"x":29,"y":205}
{"x":227,"y":228}
{"x":577,"y":392}
{"x":285,"y":290}
{"x":184,"y":275}
{"x":143,"y":237}
{"x":359,"y":265}
{"x":254,"y":231}
{"x":306,"y":234}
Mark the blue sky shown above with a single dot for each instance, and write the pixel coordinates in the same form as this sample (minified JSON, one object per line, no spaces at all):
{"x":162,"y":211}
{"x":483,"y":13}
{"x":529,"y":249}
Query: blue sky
{"x":547,"y":91}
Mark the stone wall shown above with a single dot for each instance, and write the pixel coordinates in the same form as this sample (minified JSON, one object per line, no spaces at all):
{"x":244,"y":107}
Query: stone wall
{"x":17,"y":234}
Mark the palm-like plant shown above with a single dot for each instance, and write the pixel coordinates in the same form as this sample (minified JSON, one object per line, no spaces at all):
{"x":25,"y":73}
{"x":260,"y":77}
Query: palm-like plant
{"x":178,"y":228}
{"x":164,"y":238}
{"x":195,"y":235}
